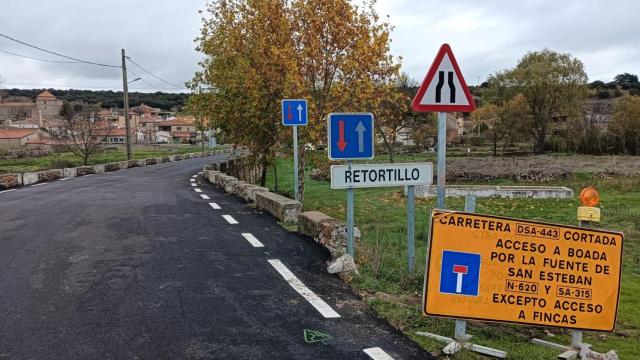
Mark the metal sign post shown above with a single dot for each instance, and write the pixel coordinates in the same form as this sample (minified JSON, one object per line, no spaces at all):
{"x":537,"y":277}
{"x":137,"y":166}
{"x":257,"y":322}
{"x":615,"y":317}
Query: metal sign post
{"x":411,"y":210}
{"x":294,"y":114}
{"x":442,"y":158}
{"x":350,"y":220}
{"x":296,"y":189}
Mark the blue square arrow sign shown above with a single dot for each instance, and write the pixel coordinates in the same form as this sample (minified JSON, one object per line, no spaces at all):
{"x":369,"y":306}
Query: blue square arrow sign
{"x":294,"y":112}
{"x":350,"y":136}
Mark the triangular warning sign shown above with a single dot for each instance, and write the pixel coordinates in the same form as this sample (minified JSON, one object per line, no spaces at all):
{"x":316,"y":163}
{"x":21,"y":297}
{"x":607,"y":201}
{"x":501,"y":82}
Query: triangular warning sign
{"x":444,"y":88}
{"x":311,"y":336}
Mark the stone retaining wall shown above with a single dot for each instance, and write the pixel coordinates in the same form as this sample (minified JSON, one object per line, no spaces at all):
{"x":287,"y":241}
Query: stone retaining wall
{"x":8,"y":181}
{"x":40,"y":176}
{"x":281,"y":207}
{"x":325,"y":230}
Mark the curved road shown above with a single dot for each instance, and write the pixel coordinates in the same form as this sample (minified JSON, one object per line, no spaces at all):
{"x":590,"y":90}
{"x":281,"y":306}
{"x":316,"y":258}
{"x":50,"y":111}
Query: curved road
{"x":136,"y":264}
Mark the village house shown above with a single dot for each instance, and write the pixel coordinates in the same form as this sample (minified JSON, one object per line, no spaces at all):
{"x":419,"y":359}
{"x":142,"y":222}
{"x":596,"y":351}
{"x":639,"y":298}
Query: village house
{"x":15,"y":138}
{"x":41,"y":113}
{"x":180,"y":129}
{"x":114,"y":136}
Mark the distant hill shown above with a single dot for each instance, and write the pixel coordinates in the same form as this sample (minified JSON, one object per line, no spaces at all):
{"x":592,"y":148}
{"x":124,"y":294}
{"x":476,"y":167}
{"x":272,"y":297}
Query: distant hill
{"x":108,"y":98}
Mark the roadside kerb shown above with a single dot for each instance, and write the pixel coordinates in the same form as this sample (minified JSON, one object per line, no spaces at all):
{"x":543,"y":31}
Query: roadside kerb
{"x":329,"y":232}
{"x":13,"y":180}
{"x":281,"y":207}
{"x":77,"y":171}
{"x":36,"y":177}
{"x":8,"y":181}
{"x":98,"y":169}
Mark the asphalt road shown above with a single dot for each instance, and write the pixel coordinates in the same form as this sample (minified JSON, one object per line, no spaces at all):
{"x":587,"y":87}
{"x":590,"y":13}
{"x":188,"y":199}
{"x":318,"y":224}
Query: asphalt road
{"x":135,"y":264}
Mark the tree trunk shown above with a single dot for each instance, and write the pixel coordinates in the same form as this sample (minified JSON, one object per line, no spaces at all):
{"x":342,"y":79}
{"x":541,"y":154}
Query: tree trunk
{"x":540,"y":141}
{"x":275,"y":173}
{"x":495,"y":145}
{"x":301,"y":164}
{"x":263,"y":172}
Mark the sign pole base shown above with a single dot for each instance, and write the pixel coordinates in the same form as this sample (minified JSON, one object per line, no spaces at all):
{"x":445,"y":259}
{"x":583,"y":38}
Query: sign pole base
{"x":570,"y":352}
{"x":455,"y":345}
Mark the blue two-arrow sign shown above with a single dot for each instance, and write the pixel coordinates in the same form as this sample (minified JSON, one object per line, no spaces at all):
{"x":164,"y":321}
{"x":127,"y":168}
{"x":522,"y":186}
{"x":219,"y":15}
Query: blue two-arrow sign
{"x":350,"y":136}
{"x":294,"y":112}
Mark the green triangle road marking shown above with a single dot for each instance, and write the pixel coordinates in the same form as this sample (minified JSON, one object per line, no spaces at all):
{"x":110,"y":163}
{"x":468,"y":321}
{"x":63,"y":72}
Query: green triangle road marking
{"x":311,"y":336}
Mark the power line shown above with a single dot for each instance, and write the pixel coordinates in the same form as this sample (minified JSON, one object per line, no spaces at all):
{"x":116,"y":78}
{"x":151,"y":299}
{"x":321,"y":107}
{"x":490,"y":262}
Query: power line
{"x":143,"y":80}
{"x":154,"y":75}
{"x":58,"y":54}
{"x":72,"y":87}
{"x":34,"y":58}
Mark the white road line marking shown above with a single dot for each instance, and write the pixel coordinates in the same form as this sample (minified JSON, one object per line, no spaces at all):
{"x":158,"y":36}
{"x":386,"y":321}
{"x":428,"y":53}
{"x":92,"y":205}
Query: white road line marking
{"x":377,"y":354}
{"x":194,"y":184}
{"x":252,"y":240}
{"x":193,"y":180}
{"x":215,"y":206}
{"x":4,"y":191}
{"x":205,"y":197}
{"x":195,"y":176}
{"x":306,"y":293}
{"x":40,"y":184}
{"x":197,"y":190}
{"x":87,"y":175}
{"x":200,"y":173}
{"x":230,"y":219}
{"x":63,"y":179}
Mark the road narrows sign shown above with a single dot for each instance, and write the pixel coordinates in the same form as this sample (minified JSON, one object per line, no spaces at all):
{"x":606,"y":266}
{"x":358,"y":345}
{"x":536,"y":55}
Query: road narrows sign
{"x":350,"y":136}
{"x":509,"y":270}
{"x":444,"y":88}
{"x":379,"y":175}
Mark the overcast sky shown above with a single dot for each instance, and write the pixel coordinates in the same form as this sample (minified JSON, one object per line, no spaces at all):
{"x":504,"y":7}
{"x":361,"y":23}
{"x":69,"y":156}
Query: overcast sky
{"x":485,"y":36}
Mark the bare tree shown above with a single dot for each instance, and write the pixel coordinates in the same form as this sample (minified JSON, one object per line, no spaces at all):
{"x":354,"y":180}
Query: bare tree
{"x":80,"y":132}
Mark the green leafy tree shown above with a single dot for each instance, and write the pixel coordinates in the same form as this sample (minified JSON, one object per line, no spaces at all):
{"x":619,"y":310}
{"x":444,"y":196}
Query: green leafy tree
{"x":552,"y":83}
{"x":626,"y":78}
{"x":625,"y":124}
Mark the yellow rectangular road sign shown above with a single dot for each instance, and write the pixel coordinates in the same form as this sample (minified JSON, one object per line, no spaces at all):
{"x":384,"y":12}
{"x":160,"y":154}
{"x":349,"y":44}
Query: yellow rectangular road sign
{"x":500,"y":269}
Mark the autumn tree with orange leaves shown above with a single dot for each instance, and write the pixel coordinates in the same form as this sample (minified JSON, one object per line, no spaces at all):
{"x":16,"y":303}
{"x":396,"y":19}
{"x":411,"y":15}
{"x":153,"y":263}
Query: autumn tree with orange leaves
{"x":257,"y":52}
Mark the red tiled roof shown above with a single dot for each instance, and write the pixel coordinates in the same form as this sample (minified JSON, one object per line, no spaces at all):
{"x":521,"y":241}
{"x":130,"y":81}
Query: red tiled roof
{"x":16,"y":133}
{"x":46,"y":94}
{"x":182,"y":121}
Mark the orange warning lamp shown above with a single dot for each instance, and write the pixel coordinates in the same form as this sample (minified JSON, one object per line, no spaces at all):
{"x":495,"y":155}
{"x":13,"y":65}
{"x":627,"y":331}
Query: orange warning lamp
{"x":589,"y":196}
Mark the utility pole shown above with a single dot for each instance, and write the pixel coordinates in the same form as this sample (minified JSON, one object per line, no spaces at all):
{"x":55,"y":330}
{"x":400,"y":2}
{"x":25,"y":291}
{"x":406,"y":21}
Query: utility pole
{"x":125,"y":90}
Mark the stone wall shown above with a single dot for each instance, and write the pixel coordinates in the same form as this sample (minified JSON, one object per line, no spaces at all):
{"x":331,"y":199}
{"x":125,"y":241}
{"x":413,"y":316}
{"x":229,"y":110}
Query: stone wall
{"x":40,"y":176}
{"x":325,"y":230}
{"x":281,"y":207}
{"x":8,"y":181}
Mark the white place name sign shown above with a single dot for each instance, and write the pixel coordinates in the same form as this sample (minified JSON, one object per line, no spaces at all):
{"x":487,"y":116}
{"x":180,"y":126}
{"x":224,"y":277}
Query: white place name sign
{"x":379,"y":175}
